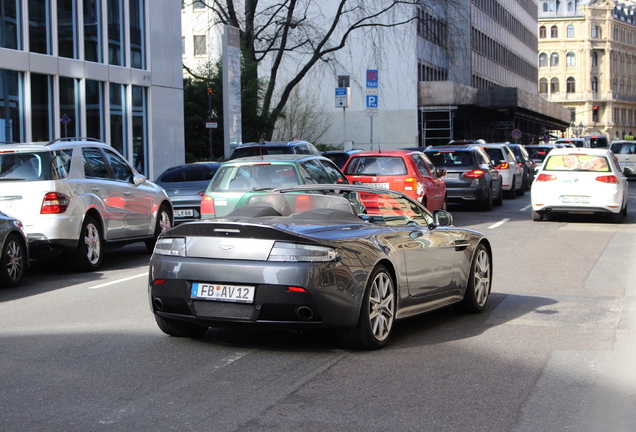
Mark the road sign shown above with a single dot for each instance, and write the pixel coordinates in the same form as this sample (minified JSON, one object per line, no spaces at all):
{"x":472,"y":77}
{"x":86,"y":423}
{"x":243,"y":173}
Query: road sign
{"x":65,"y":119}
{"x":211,"y":125}
{"x":372,"y":112}
{"x":372,"y":101}
{"x":372,"y":78}
{"x":516,"y":133}
{"x":342,"y":97}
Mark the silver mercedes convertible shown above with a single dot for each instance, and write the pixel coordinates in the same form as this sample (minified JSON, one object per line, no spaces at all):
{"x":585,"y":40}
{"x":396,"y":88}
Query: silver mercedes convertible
{"x":346,"y":257}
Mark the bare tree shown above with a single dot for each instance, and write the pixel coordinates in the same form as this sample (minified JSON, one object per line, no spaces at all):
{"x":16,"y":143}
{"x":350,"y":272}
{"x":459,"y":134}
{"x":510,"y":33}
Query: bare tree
{"x":302,"y":118}
{"x":302,"y":33}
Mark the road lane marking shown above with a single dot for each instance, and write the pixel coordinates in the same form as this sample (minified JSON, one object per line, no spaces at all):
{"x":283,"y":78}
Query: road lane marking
{"x":525,"y":208}
{"x":119,"y":281}
{"x":498,"y":224}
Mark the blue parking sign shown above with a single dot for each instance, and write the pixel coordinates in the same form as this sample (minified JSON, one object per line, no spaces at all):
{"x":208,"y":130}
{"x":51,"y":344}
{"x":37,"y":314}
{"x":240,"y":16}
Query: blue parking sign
{"x":372,"y":101}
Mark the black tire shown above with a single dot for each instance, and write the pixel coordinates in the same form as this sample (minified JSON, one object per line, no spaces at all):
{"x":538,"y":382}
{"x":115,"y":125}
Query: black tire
{"x":180,"y":328}
{"x":377,"y":313}
{"x":13,"y":261}
{"x":487,"y":204}
{"x":522,"y":190}
{"x":618,"y":217}
{"x":89,"y":252}
{"x":479,"y":282}
{"x":499,"y":200}
{"x":537,"y":216}
{"x":164,"y":222}
{"x":512,"y":193}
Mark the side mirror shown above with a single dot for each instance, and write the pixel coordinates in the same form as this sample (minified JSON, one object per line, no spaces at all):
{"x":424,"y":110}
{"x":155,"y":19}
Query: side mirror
{"x":442,"y":218}
{"x":628,"y":171}
{"x":138,"y":179}
{"x":441,"y":172}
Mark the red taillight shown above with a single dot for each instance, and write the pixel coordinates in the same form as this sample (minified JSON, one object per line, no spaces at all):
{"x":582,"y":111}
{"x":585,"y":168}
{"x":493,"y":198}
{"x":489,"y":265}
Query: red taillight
{"x":503,"y":165}
{"x":410,"y":184}
{"x":545,"y":177}
{"x":207,"y":205}
{"x":159,"y":281}
{"x":54,"y":203}
{"x":296,"y":289}
{"x":302,"y":203}
{"x":607,"y":179}
{"x":474,"y":173}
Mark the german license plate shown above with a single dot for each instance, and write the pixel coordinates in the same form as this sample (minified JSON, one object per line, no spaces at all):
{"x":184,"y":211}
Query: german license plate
{"x":575,"y":199}
{"x":627,"y":163}
{"x":377,"y":185}
{"x":227,"y":293}
{"x":184,"y":213}
{"x":452,"y":176}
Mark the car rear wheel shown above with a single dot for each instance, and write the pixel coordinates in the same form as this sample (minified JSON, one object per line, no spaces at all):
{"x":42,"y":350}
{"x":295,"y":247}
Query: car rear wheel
{"x":13,"y":262}
{"x":164,"y":222}
{"x":618,"y":217}
{"x":512,"y":193}
{"x":375,"y":322}
{"x":499,"y":200}
{"x":180,"y":328}
{"x":89,"y":252}
{"x":479,"y":281}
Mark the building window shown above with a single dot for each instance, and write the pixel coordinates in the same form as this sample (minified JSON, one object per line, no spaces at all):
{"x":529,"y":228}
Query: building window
{"x":198,"y":4}
{"x":118,"y":134}
{"x":542,"y":32}
{"x":39,"y":26}
{"x":594,"y":58}
{"x":11,"y":24}
{"x":67,"y":28}
{"x":115,"y":32}
{"x":570,"y":6}
{"x":554,"y":85}
{"x":200,"y":48}
{"x":570,"y":31}
{"x":594,"y":85}
{"x":554,"y":59}
{"x":137,"y":34}
{"x":545,"y":7}
{"x":570,"y":85}
{"x":543,"y":60}
{"x":11,"y":106}
{"x":596,"y":32}
{"x":93,"y":30}
{"x":554,"y":32}
{"x":95,"y":109}
{"x":572,"y":114}
{"x":543,"y":86}
{"x":41,"y":107}
{"x":570,"y":59}
{"x":344,"y":81}
{"x":139,"y":129}
{"x":70,"y":106}
{"x":552,"y":8}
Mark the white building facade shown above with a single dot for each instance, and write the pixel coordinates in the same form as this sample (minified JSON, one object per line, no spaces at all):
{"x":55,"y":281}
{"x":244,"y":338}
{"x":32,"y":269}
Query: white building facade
{"x":458,"y":69}
{"x":104,"y":69}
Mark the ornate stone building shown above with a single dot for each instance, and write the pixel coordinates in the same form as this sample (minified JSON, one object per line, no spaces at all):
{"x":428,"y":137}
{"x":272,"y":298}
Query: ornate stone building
{"x":587,"y":63}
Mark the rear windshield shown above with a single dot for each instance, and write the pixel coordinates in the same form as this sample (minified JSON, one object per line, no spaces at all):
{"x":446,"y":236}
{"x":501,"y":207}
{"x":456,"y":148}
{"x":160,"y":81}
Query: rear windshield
{"x":237,"y":178}
{"x":624,"y":148}
{"x":577,"y":162}
{"x":537,"y":154}
{"x":450,"y":158}
{"x":257,"y":151}
{"x":189,"y":173}
{"x":376,"y":165}
{"x":46,"y":165}
{"x":577,"y":143}
{"x":595,"y":142}
{"x":495,"y":154}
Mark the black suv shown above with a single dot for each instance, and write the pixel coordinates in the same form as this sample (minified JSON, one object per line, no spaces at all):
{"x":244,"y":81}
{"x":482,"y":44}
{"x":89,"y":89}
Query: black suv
{"x":275,"y":147}
{"x":470,"y":175}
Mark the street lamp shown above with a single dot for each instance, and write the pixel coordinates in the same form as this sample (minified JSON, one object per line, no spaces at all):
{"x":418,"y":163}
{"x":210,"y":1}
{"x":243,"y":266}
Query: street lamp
{"x":577,"y":130}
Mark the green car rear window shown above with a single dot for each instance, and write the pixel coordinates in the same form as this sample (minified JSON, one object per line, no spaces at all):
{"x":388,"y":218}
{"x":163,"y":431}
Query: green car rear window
{"x":245,"y":177}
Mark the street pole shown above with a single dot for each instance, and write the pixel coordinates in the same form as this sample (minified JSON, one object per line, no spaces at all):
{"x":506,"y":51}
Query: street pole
{"x":344,"y":125}
{"x":210,"y":119}
{"x":371,"y":132}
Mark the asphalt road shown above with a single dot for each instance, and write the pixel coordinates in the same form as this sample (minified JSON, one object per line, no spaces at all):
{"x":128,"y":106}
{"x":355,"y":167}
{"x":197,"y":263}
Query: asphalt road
{"x":554,"y":351}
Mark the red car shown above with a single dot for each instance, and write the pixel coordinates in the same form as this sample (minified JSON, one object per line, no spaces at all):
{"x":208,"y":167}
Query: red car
{"x":407,"y":171}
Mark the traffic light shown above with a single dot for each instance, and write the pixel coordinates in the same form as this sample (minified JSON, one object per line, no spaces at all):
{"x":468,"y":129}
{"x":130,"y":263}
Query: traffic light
{"x":595,"y":114}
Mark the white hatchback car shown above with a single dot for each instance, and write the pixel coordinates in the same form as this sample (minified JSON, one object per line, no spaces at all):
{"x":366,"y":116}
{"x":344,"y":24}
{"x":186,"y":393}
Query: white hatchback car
{"x":581,"y":180}
{"x":79,"y":195}
{"x":505,"y":161}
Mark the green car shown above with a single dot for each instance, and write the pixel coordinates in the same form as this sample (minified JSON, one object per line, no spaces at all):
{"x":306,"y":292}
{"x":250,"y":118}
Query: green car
{"x":239,"y":179}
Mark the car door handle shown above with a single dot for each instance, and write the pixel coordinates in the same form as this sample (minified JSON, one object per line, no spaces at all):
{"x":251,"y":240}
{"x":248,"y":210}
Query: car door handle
{"x":127,"y":193}
{"x":95,"y":189}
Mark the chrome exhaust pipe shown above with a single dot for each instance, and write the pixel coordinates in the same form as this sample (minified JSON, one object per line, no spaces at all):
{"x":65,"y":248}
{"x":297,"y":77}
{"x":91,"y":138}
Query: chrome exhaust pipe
{"x":305,"y":313}
{"x":158,"y":303}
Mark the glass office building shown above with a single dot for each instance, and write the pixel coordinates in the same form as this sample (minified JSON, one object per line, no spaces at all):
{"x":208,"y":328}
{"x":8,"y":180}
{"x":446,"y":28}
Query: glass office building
{"x":105,"y":69}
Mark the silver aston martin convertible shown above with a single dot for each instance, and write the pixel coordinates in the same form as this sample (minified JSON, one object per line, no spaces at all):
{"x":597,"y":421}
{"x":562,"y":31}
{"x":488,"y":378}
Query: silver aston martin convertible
{"x":346,"y":257}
